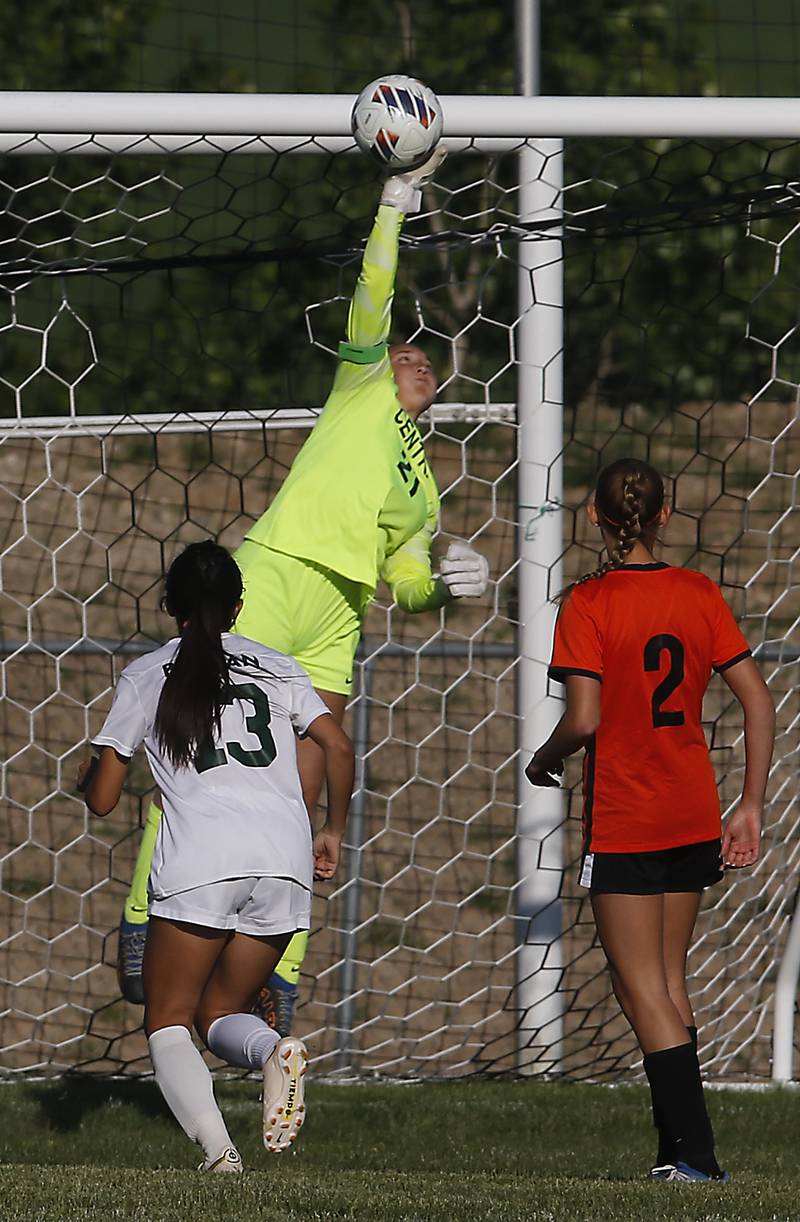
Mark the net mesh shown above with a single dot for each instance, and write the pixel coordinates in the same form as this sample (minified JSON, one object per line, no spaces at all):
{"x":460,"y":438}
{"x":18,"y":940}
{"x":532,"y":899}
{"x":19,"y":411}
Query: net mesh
{"x":168,"y":327}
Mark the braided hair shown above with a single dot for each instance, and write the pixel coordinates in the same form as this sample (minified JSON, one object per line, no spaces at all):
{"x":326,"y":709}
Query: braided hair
{"x":629,"y":497}
{"x":203,"y":586}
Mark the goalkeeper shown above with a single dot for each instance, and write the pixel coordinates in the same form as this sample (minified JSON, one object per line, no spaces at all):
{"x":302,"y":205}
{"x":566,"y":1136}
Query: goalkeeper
{"x":359,"y":503}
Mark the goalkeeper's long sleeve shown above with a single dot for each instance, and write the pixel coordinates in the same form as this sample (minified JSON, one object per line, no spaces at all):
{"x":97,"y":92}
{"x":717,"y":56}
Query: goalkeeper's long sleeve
{"x":407,"y":572}
{"x":370,"y":314}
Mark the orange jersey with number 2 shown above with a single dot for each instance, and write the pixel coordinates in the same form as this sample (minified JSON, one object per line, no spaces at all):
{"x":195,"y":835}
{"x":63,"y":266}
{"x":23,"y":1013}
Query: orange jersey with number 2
{"x":651,"y":635}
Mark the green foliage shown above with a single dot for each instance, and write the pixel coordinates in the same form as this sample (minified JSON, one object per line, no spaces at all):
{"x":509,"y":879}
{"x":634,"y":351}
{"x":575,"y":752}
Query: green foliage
{"x":653,"y":318}
{"x":458,"y":46}
{"x":55,"y":44}
{"x":645,"y":47}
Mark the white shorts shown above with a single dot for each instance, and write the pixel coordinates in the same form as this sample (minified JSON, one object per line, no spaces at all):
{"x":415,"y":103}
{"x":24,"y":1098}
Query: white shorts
{"x":257,"y":906}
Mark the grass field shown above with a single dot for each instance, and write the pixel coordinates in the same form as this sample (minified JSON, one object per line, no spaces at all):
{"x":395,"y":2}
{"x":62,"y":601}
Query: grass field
{"x":76,"y":1149}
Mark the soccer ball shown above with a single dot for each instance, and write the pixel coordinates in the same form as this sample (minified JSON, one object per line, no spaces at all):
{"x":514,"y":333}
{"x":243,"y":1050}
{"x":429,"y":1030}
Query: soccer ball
{"x":398,"y":121}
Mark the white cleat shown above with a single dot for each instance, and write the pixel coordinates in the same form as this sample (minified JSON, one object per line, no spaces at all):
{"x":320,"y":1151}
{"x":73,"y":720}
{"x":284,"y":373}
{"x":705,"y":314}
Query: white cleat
{"x":283,"y":1104}
{"x":229,"y":1160}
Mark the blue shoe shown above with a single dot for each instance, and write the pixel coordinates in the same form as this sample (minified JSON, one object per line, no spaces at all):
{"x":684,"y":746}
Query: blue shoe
{"x":662,"y":1171}
{"x":132,"y":939}
{"x":284,"y":996}
{"x":682,"y":1173}
{"x":275,"y":1004}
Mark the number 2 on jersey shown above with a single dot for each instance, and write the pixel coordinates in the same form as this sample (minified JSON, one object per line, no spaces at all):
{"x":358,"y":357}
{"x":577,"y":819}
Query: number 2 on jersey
{"x":257,"y":722}
{"x":673,"y":647}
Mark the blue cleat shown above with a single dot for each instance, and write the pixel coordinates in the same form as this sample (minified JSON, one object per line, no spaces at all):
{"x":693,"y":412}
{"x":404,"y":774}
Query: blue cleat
{"x":284,"y":996}
{"x":662,"y":1172}
{"x":682,"y":1173}
{"x":275,"y":1004}
{"x":132,"y":939}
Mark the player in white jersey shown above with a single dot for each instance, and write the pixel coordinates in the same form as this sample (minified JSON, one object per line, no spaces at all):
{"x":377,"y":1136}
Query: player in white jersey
{"x":232,"y":872}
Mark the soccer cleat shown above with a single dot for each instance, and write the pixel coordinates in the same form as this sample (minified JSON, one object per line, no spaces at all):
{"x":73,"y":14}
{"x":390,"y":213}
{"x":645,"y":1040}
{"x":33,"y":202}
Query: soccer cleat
{"x":275,"y":1004}
{"x":283,"y":1095}
{"x":664,"y":1171}
{"x":132,"y":940}
{"x":229,"y":1160}
{"x":682,"y":1173}
{"x":284,"y":996}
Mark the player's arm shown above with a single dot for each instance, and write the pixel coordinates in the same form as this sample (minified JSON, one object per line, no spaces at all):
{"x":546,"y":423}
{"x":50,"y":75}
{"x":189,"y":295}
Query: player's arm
{"x":100,"y":780}
{"x":340,"y":773}
{"x":370,"y":313}
{"x":741,"y":837}
{"x":409,"y":575}
{"x":577,"y":662}
{"x":576,"y":727}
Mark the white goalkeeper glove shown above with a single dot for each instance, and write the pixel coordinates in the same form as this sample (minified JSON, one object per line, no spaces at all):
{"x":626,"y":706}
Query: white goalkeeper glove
{"x":404,"y":191}
{"x":464,"y":571}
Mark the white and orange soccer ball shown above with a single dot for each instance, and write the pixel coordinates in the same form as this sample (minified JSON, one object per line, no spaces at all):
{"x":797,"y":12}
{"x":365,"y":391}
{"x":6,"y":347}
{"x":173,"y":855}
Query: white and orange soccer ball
{"x":398,"y":121}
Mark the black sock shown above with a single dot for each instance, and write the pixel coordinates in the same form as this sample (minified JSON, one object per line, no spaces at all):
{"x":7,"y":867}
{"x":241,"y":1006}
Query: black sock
{"x":667,"y":1149}
{"x":679,"y":1107}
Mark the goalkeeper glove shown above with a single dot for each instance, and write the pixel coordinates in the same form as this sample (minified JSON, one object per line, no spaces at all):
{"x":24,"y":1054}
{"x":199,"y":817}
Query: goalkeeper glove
{"x":404,"y":191}
{"x":464,"y":571}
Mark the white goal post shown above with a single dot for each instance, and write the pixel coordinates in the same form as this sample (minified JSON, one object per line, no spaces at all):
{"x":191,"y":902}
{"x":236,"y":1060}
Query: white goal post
{"x":426,"y":1004}
{"x":323,"y":116}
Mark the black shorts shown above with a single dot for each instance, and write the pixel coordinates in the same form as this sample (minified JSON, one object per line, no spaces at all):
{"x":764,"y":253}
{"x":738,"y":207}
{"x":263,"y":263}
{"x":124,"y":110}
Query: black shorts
{"x":690,"y":867}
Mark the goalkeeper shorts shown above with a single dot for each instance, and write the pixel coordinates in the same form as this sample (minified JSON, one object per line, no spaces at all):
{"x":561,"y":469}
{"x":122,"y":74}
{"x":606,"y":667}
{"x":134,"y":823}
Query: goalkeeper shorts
{"x":304,"y":610}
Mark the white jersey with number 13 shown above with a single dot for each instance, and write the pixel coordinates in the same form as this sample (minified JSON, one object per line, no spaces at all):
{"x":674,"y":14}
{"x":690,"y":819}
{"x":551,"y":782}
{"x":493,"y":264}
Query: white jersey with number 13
{"x":238,"y":811}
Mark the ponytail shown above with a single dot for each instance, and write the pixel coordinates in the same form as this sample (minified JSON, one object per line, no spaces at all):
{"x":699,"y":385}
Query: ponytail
{"x":203,"y":586}
{"x":629,"y":498}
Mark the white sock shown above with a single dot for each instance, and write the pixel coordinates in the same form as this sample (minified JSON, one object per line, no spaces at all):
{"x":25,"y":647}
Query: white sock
{"x":185,"y":1082}
{"x":241,"y":1039}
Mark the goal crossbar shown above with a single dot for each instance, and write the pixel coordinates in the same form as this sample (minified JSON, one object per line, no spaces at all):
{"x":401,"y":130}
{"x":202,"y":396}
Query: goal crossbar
{"x":156,"y":115}
{"x":135,"y":424}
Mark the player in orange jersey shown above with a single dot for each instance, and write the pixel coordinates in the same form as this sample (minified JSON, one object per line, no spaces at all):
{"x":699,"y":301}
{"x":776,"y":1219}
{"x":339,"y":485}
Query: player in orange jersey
{"x":635,"y":644}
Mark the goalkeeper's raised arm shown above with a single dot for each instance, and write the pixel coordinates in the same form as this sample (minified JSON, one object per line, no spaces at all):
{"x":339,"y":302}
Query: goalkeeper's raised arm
{"x":365,"y":354}
{"x":370,"y":316}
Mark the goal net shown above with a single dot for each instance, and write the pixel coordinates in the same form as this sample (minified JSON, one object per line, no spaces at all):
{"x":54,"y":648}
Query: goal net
{"x":170,"y":313}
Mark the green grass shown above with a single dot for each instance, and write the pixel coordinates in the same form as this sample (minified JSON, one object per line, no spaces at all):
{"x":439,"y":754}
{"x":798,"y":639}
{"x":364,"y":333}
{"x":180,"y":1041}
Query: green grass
{"x":80,"y":1149}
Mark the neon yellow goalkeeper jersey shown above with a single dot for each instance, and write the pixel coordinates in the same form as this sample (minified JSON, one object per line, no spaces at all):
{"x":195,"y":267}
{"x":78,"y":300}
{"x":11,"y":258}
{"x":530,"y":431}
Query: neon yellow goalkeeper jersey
{"x":360,"y":498}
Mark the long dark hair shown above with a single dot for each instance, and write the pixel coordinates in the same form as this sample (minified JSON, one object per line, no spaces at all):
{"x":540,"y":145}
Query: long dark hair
{"x":629,"y":497}
{"x":202,"y":588}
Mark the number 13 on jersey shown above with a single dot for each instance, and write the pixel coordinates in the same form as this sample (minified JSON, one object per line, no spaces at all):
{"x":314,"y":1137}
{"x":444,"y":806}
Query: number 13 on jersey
{"x":257,"y":723}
